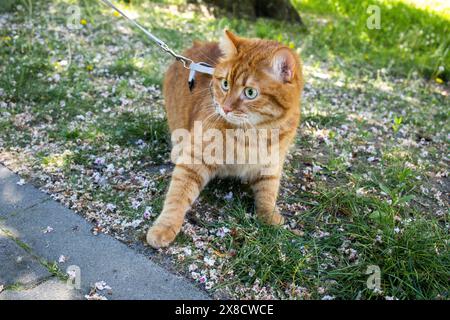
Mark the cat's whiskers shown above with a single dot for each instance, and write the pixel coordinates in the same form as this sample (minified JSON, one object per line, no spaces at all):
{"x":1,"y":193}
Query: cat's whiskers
{"x":212,"y":120}
{"x":213,"y":103}
{"x":213,"y":117}
{"x":210,"y":116}
{"x":249,"y":125}
{"x":207,"y":104}
{"x":237,"y":119}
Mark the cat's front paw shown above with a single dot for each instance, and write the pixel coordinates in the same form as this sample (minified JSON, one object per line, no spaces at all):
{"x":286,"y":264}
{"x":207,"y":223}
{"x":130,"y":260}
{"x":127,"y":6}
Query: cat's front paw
{"x":160,"y":236}
{"x":272,"y":217}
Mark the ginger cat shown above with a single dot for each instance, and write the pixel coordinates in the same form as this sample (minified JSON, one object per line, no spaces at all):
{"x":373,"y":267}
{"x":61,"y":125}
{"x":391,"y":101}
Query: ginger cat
{"x":257,"y":84}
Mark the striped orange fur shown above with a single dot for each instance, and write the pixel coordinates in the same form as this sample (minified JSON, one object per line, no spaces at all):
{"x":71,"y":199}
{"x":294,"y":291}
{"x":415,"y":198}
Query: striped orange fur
{"x":243,"y":68}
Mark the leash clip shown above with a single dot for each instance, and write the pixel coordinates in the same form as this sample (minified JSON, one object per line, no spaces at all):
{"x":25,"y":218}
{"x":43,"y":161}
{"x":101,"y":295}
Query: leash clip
{"x":195,"y":67}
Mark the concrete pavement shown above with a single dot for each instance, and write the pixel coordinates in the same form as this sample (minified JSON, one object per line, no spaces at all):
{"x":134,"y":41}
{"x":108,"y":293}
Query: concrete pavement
{"x":35,"y":231}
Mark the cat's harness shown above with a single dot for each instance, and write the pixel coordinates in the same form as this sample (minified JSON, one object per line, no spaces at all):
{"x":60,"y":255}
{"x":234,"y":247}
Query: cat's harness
{"x":189,"y":64}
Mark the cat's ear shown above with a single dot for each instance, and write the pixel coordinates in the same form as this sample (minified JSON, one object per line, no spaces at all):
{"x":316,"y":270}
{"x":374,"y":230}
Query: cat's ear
{"x":229,"y":44}
{"x":284,"y":65}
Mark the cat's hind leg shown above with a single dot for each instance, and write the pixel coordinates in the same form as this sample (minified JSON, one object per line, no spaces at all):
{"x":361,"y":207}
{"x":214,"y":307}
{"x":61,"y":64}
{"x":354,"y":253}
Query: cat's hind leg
{"x":185,"y":186}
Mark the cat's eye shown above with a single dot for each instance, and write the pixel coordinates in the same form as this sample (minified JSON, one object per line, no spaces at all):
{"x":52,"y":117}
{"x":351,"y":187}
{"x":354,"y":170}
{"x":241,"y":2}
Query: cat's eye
{"x":225,"y":85}
{"x":251,"y":93}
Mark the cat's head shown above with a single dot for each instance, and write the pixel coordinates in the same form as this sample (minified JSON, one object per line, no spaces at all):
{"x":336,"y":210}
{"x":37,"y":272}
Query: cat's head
{"x":256,"y":81}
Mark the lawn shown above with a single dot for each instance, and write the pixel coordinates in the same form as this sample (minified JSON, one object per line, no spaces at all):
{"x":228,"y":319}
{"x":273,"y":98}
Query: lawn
{"x":366,"y":183}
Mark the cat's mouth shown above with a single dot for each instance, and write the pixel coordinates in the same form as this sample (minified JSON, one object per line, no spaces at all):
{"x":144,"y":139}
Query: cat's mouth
{"x":237,"y":119}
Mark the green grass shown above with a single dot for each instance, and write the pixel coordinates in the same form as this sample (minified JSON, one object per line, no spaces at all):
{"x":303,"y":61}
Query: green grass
{"x":74,"y":98}
{"x":410,"y":38}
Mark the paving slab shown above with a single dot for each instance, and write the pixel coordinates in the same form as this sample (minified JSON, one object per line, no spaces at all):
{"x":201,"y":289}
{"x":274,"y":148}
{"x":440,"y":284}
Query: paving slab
{"x":14,"y":197}
{"x":17,"y":266}
{"x":100,"y":257}
{"x":52,"y":289}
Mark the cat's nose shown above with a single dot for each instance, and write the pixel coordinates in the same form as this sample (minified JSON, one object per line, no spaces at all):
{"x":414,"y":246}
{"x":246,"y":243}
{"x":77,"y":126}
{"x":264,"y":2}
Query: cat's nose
{"x":226,"y":108}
